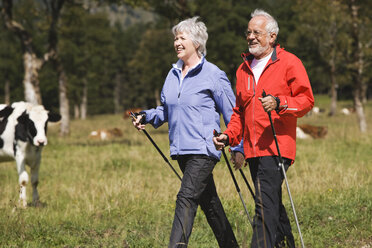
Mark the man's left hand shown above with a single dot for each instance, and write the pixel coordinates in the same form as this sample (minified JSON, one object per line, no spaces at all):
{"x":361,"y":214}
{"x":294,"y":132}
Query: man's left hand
{"x":237,"y":158}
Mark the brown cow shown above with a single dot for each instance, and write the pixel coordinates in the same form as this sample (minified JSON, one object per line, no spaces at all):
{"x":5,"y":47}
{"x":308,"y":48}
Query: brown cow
{"x":127,"y":112}
{"x":347,"y":111}
{"x":106,"y":134}
{"x":315,"y":132}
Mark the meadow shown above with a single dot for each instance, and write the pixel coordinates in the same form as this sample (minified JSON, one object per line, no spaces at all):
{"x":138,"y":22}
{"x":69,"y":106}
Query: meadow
{"x":121,"y":193}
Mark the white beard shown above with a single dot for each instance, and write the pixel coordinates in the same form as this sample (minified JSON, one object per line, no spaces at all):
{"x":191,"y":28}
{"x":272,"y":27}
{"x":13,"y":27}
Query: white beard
{"x":258,"y":50}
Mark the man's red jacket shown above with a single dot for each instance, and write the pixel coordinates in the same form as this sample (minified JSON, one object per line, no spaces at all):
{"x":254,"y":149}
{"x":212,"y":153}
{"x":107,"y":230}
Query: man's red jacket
{"x":284,"y":77}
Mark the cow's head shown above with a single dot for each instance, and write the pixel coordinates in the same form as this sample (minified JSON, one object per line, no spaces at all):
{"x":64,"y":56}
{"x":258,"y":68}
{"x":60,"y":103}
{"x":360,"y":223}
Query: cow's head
{"x":33,"y":124}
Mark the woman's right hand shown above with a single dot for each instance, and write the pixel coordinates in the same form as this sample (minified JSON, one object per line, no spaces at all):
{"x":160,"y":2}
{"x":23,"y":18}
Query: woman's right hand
{"x":137,"y":122}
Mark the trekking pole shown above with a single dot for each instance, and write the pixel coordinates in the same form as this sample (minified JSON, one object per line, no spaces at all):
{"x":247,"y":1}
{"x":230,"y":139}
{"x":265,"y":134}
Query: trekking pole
{"x":216,"y":134}
{"x":285,"y":176}
{"x":157,"y":148}
{"x":246,"y":182}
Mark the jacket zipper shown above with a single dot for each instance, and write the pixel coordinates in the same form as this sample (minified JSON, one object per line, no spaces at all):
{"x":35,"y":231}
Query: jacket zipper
{"x":178,"y":111}
{"x":254,"y":101}
{"x":254,"y":105}
{"x":254,"y":125}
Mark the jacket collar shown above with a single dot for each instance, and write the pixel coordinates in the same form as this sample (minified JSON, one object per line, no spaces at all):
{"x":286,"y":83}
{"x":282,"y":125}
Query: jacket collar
{"x":178,"y":65}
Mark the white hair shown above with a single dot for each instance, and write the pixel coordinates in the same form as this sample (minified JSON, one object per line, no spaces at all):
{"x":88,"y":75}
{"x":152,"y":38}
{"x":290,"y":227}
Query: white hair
{"x":197,"y":32}
{"x":272,"y":24}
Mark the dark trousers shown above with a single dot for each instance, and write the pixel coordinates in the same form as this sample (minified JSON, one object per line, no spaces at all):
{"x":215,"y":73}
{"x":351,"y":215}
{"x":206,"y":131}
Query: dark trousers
{"x":198,"y":188}
{"x":271,"y":226}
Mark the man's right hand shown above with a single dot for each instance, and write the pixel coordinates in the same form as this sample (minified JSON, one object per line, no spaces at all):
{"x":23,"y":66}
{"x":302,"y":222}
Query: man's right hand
{"x":220,"y":141}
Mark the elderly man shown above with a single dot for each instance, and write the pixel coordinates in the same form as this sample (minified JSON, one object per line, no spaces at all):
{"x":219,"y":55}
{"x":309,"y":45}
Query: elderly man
{"x":268,"y":67}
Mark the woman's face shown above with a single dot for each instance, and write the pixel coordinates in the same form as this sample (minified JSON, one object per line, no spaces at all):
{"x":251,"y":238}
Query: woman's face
{"x":184,"y":46}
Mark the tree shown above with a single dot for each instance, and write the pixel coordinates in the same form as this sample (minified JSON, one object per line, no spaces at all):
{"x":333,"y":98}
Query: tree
{"x":75,"y":56}
{"x":226,"y":41}
{"x":10,"y":64}
{"x":33,"y":63}
{"x":152,"y":60}
{"x":356,"y":67}
{"x":54,"y":8}
{"x":365,"y":39}
{"x":126,"y":42}
{"x":90,"y":56}
{"x":323,"y":22}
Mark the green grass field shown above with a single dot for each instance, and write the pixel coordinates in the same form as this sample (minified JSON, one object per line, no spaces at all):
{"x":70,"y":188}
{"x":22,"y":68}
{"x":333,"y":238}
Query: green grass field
{"x":122,"y":194}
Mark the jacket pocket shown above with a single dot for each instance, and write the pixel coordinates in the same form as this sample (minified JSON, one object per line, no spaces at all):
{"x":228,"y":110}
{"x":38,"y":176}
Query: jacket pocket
{"x":244,"y":97}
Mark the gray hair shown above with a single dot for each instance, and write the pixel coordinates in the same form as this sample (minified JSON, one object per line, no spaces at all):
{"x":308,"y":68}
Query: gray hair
{"x":272,"y":24}
{"x":197,"y":32}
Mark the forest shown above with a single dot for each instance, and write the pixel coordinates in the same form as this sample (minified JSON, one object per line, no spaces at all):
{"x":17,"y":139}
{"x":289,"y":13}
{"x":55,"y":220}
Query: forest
{"x":88,"y":57}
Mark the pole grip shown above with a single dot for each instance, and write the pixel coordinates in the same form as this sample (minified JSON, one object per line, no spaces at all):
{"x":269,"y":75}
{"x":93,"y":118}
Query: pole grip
{"x":215,"y":133}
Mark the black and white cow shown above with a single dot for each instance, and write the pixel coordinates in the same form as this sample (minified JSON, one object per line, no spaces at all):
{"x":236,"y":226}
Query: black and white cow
{"x":23,"y":128}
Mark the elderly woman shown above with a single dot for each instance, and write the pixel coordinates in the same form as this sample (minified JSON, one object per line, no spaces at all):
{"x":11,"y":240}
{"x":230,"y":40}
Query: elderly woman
{"x":194,"y":95}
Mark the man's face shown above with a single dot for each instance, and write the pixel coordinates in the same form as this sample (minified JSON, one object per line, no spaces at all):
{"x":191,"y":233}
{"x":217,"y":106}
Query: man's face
{"x":259,"y":40}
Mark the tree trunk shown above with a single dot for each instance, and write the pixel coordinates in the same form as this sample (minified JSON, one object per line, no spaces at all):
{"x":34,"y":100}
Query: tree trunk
{"x":63,"y":101}
{"x":355,"y":71}
{"x":332,"y":62}
{"x":84,"y":100}
{"x":31,"y":63}
{"x":55,"y":7}
{"x":363,"y":89}
{"x":364,"y":93}
{"x":333,"y":108}
{"x":358,"y":105}
{"x":7,"y":92}
{"x":157,"y":97}
{"x":76,"y":111}
{"x":117,"y":94}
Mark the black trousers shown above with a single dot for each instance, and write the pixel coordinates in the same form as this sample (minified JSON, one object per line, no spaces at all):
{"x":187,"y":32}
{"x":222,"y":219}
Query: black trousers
{"x":271,"y":226}
{"x":198,"y":188}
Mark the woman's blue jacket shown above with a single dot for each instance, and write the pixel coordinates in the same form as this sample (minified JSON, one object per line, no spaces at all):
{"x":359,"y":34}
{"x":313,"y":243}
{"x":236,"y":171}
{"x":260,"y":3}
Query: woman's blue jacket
{"x":192,"y":109}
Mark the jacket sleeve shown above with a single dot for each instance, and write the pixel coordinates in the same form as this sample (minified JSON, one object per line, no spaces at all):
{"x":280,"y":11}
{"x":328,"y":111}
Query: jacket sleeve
{"x":159,"y":115}
{"x":224,"y":98}
{"x":301,"y":100}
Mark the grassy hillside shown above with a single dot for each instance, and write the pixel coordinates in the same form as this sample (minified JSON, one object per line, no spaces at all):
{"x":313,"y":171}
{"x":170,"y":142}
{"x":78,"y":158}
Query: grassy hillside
{"x":122,"y":194}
